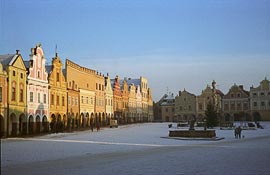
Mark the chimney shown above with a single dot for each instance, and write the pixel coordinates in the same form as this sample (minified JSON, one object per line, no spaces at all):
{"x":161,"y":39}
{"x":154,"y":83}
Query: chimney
{"x":17,"y":52}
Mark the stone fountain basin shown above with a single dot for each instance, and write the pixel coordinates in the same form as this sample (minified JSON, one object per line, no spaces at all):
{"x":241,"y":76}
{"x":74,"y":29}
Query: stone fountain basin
{"x":193,"y":133}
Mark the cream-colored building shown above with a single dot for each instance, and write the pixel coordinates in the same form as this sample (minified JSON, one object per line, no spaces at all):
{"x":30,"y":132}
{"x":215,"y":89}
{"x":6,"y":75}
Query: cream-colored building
{"x":235,"y":105}
{"x":185,"y":106}
{"x":3,"y":101}
{"x":138,"y":104}
{"x":208,"y":95}
{"x":260,"y":101}
{"x":132,"y":104}
{"x":144,"y":92}
{"x":108,"y":98}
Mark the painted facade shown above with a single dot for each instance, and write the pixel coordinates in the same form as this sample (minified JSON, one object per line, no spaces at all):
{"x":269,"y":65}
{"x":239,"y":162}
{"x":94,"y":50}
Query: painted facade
{"x":58,"y":95}
{"x":3,"y":101}
{"x":260,"y":101}
{"x":125,"y":94}
{"x":208,"y":95}
{"x":16,"y":89}
{"x":82,"y":80}
{"x":100,"y":99}
{"x":117,"y":99}
{"x":185,"y":106}
{"x":167,"y":108}
{"x":108,"y":98}
{"x":144,"y":92}
{"x":132,"y":103}
{"x":37,"y":93}
{"x":139,"y":116}
{"x":235,"y":105}
{"x":150,"y":106}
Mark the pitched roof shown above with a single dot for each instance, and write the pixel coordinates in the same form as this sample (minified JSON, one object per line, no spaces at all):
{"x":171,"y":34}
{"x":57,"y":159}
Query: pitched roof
{"x":7,"y":60}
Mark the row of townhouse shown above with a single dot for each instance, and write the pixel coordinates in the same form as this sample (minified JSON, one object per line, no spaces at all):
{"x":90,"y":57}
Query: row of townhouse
{"x":38,"y":98}
{"x":237,"y":105}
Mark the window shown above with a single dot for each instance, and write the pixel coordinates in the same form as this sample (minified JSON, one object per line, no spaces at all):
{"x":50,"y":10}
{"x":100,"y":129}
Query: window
{"x":14,"y":73}
{"x":0,"y":94}
{"x":189,"y":107}
{"x":72,"y":101}
{"x":226,"y":106}
{"x":103,"y":87}
{"x":76,"y":101}
{"x":96,"y":86}
{"x":245,"y":106}
{"x":38,"y":74}
{"x":238,"y":95}
{"x":166,"y":109}
{"x":44,"y":98}
{"x":31,"y":97}
{"x":232,"y":106}
{"x":262,"y":103}
{"x":232,"y":95}
{"x":21,"y":95}
{"x":21,"y":75}
{"x":99,"y":86}
{"x":86,"y":100}
{"x":63,"y":101}
{"x":69,"y":100}
{"x":38,"y":97}
{"x":57,"y":77}
{"x":81,"y":99}
{"x":238,"y":106}
{"x":52,"y":99}
{"x":254,"y":94}
{"x":13,"y":94}
{"x":262,"y":93}
{"x":255,"y":104}
{"x":87,"y":85}
{"x":268,"y":93}
{"x":57,"y":100}
{"x":91,"y":100}
{"x":200,"y":106}
{"x":69,"y":84}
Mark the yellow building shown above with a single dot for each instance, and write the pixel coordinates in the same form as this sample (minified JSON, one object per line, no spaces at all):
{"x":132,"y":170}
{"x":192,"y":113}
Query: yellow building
{"x":16,"y":102}
{"x":132,"y":103}
{"x":58,"y":95}
{"x":125,"y":94}
{"x":83,"y":80}
{"x":3,"y":101}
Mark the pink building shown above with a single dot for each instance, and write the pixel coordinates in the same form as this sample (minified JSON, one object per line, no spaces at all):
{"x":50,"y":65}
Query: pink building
{"x":37,"y":92}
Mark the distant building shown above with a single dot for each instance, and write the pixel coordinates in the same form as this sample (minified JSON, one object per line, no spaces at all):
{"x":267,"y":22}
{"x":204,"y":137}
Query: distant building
{"x":37,"y":93}
{"x":108,"y":98}
{"x":3,"y":100}
{"x":167,"y":108}
{"x":139,"y":117}
{"x":125,"y":95}
{"x":260,"y":101}
{"x":208,"y":96}
{"x":150,"y":106}
{"x":132,"y":104}
{"x":185,"y":106}
{"x":13,"y":65}
{"x":235,"y":105}
{"x":58,"y":95}
{"x":117,"y":99}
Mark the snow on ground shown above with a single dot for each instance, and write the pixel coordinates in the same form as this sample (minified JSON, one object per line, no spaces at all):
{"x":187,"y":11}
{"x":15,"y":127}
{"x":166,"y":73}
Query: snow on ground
{"x":16,"y":151}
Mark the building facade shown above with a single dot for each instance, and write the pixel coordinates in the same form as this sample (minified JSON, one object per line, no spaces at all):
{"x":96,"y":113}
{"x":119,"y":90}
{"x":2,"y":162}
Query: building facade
{"x":108,"y":98}
{"x":260,"y":101}
{"x":167,"y":107}
{"x":132,"y":103}
{"x":100,"y":99}
{"x":58,"y":95}
{"x":16,"y":93}
{"x":3,"y":101}
{"x":185,"y":106}
{"x":150,"y":106}
{"x":117,"y":99}
{"x":139,"y":116}
{"x":144,"y":92}
{"x":208,"y":96}
{"x":125,"y":95}
{"x":83,"y":82}
{"x":37,"y":93}
{"x":235,"y":105}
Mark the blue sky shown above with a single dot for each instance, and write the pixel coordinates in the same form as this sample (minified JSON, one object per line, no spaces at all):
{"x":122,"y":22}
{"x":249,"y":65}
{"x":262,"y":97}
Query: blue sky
{"x":174,"y":43}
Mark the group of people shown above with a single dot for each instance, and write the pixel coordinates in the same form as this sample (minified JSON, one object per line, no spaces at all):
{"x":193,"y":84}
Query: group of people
{"x":97,"y":126}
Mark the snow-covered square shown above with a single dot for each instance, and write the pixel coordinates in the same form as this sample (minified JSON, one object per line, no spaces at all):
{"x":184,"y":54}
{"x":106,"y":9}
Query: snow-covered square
{"x":137,"y":149}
